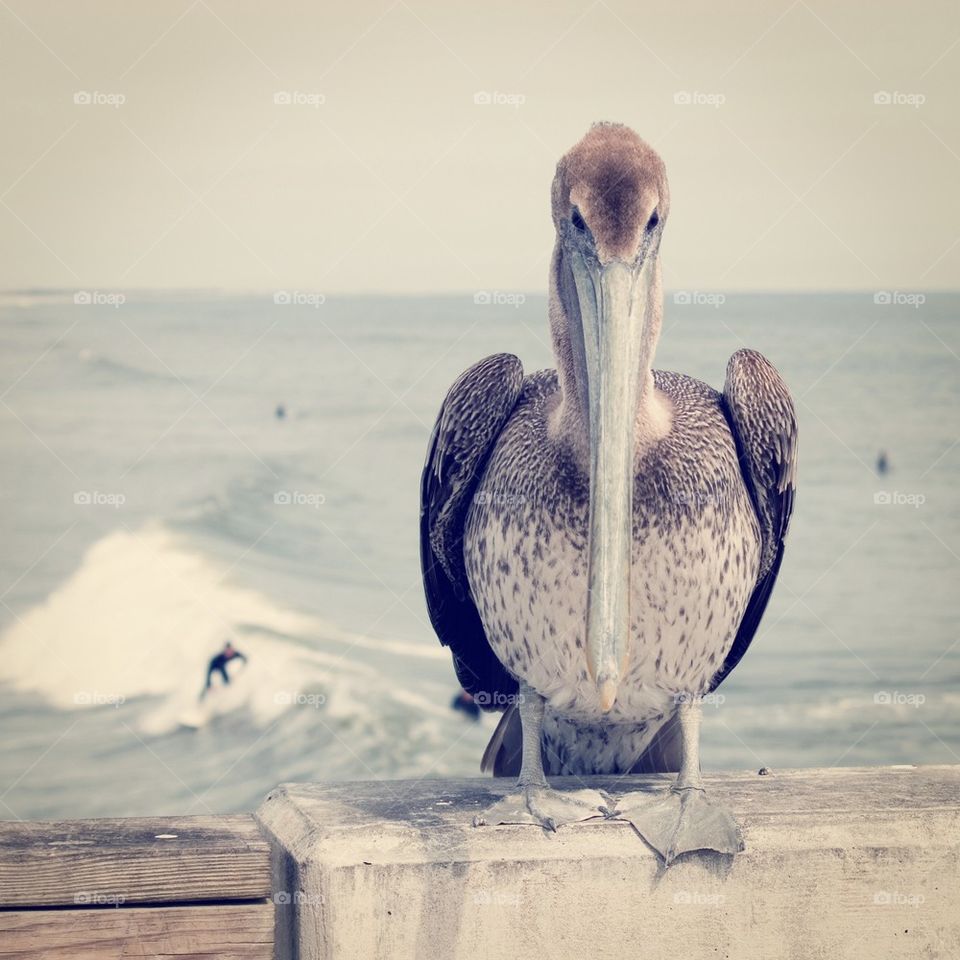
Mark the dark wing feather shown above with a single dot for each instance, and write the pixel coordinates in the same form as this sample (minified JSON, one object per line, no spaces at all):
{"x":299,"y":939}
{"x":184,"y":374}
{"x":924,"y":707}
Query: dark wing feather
{"x":472,"y":416}
{"x":764,"y":424}
{"x":504,"y":752}
{"x":665,"y":752}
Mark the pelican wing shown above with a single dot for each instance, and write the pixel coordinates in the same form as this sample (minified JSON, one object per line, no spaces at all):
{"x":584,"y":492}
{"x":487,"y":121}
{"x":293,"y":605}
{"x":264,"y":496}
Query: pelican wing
{"x":764,"y":425}
{"x":474,"y":412}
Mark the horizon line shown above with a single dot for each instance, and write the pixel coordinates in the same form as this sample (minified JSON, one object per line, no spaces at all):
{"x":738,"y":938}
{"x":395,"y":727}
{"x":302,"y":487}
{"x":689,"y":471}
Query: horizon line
{"x":389,"y":294}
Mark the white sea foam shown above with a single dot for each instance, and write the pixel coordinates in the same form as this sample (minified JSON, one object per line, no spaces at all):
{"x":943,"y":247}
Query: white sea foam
{"x":143,"y":614}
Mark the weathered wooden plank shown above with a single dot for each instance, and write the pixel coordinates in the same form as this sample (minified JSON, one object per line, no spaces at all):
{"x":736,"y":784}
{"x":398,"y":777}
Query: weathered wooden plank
{"x":137,"y":860}
{"x":226,"y":932}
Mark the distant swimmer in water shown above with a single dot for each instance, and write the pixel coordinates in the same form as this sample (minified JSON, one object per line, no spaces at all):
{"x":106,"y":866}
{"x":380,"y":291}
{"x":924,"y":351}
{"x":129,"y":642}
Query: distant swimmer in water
{"x":883,"y":464}
{"x":280,"y":412}
{"x":463,"y":701}
{"x":219,"y":665}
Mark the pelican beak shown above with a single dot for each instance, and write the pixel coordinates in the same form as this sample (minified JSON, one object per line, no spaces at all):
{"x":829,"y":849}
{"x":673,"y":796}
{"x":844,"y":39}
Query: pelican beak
{"x":612,"y":299}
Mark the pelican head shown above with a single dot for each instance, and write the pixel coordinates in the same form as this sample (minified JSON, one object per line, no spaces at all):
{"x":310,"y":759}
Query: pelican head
{"x":610,"y":203}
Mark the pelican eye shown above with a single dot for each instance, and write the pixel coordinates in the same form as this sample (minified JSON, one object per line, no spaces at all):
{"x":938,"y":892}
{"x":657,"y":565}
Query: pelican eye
{"x":653,"y":221}
{"x":578,"y":221}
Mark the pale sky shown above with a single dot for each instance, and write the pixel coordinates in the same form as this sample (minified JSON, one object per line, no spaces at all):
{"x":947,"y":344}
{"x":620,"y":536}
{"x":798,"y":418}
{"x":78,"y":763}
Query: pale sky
{"x":383,"y":175}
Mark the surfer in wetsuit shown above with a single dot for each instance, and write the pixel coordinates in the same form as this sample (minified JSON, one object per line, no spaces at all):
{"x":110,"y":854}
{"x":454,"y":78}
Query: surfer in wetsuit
{"x":219,"y":665}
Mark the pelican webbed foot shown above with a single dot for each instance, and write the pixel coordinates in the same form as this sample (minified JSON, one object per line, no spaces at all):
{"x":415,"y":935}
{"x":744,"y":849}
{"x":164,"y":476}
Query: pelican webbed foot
{"x":535,"y":800}
{"x":683,"y":819}
{"x":680,"y":821}
{"x":544,"y":806}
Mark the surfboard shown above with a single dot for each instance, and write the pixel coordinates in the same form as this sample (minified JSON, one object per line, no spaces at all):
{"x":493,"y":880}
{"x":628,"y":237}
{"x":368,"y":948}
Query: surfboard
{"x":199,"y":714}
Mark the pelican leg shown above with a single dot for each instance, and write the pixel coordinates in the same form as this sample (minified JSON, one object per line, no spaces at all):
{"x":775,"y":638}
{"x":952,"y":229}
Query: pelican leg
{"x":684,"y":819}
{"x":536,"y":801}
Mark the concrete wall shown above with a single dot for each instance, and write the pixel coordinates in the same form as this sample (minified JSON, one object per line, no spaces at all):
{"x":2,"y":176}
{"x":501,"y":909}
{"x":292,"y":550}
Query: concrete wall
{"x":838,"y":863}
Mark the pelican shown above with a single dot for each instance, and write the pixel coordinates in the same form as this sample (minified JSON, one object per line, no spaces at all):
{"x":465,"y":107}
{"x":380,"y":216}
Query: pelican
{"x":599,"y":541}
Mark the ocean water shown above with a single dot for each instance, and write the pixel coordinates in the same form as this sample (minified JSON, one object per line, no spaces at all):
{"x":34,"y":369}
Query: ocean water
{"x":152,"y":504}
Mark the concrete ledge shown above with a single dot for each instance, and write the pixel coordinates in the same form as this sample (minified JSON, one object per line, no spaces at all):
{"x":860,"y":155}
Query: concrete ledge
{"x":839,"y":863}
